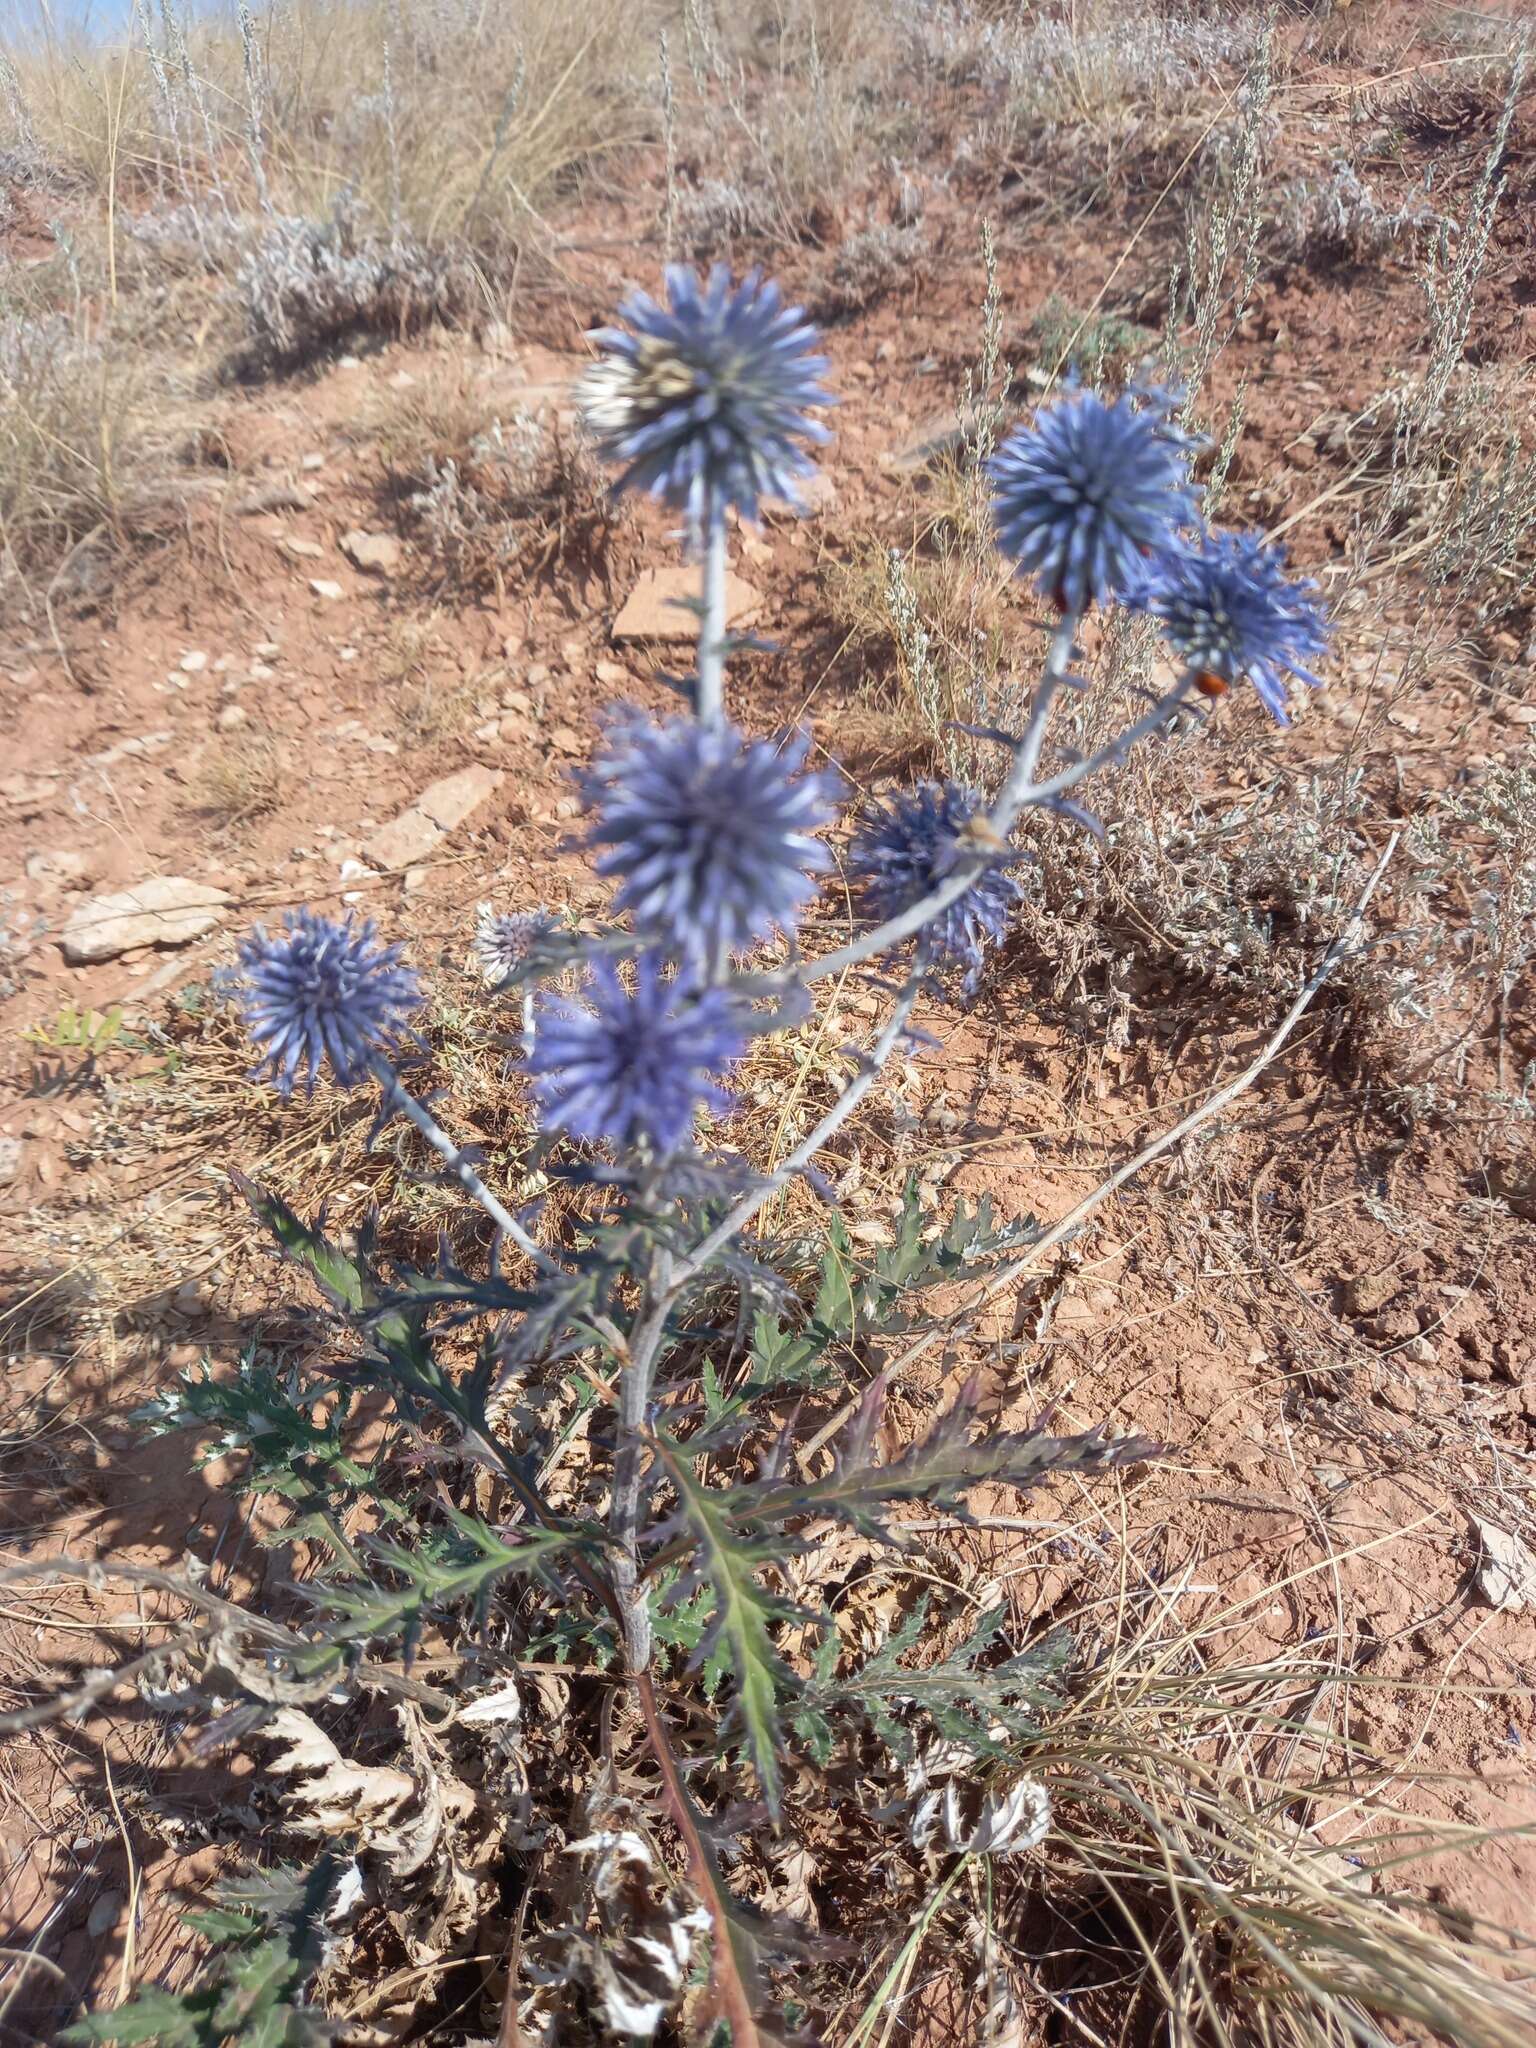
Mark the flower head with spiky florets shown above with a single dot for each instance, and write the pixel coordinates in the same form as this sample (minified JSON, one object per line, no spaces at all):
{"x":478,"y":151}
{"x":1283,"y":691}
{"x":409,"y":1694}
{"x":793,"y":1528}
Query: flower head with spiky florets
{"x":504,"y":939}
{"x":320,"y":990}
{"x":1083,"y":495}
{"x":634,"y":1069}
{"x":1229,"y":609}
{"x":705,"y":402}
{"x":904,"y":849}
{"x":709,"y":835}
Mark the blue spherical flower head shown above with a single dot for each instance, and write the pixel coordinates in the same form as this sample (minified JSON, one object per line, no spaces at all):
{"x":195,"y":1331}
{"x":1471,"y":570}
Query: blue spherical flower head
{"x":704,"y":403}
{"x":711,"y":837}
{"x":903,"y":850}
{"x":1230,"y":610}
{"x":633,"y":1070}
{"x":1085,"y":494}
{"x":321,"y":990}
{"x":504,"y":939}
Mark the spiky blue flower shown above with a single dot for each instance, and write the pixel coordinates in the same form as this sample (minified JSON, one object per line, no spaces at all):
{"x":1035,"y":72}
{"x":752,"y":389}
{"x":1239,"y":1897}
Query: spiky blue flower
{"x":320,"y":990}
{"x":1229,"y":609}
{"x":711,"y":836}
{"x":1083,"y":495}
{"x":634,"y":1069}
{"x":504,"y":939}
{"x":705,"y":402}
{"x":902,"y":851}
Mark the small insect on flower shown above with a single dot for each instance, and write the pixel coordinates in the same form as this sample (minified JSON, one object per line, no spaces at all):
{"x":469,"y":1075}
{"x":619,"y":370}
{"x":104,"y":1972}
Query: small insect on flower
{"x":1083,"y":495}
{"x":634,"y":1069}
{"x":705,"y":403}
{"x":1229,"y":610}
{"x":504,"y":939}
{"x":320,"y":990}
{"x":709,"y":835}
{"x":903,"y":850}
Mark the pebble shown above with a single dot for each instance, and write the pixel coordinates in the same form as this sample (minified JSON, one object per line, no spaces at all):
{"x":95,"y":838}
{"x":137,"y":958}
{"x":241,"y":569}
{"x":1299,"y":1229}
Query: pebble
{"x":266,"y":650}
{"x":232,"y":717}
{"x":194,"y":663}
{"x":324,"y":588}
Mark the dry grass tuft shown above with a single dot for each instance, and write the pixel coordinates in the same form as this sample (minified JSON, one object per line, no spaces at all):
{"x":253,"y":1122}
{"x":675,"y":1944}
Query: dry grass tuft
{"x":238,"y":780}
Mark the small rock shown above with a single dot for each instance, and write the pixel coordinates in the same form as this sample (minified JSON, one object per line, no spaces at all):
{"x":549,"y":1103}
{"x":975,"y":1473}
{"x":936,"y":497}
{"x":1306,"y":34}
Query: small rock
{"x":518,"y":701}
{"x":266,"y":650}
{"x":314,"y":461}
{"x":324,"y":588}
{"x":409,"y":838}
{"x":1505,"y":1575}
{"x":10,"y":1160}
{"x":402,"y":380}
{"x":194,"y":663}
{"x":128,"y":750}
{"x":612,"y":676}
{"x":566,"y":740}
{"x":1368,"y":1292}
{"x":260,"y":673}
{"x":355,"y":870}
{"x":817,"y":493}
{"x":1397,"y":1396}
{"x":655,"y":608}
{"x":26,"y":792}
{"x":61,"y":869}
{"x":272,"y":498}
{"x":378,"y":552}
{"x":106,"y":1911}
{"x":232,"y":717}
{"x":415,"y":878}
{"x":164,"y":910}
{"x":303,"y":550}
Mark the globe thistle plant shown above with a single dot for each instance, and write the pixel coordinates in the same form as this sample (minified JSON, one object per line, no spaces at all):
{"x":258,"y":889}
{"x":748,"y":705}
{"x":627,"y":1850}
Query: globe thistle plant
{"x":710,"y":836}
{"x":1229,"y":610}
{"x":321,"y":991}
{"x":903,"y":850}
{"x":684,"y":1313}
{"x":1085,"y":494}
{"x":705,"y":402}
{"x":634,"y":1069}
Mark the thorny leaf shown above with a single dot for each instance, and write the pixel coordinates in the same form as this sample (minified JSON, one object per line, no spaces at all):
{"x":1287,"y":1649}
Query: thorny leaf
{"x":739,"y":1630}
{"x":251,"y":1989}
{"x":940,"y":1470}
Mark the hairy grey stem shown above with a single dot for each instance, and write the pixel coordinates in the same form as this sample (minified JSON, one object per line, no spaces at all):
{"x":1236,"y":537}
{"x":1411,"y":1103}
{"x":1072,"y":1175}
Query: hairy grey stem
{"x":711,"y":663}
{"x":636,"y":1376}
{"x":398,"y":1097}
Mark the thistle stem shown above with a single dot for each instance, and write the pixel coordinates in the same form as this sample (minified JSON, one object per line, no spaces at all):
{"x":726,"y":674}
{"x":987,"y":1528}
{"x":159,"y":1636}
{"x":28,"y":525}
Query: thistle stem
{"x":635,"y":1382}
{"x":398,"y":1098}
{"x":711,"y":663}
{"x":1019,"y":793}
